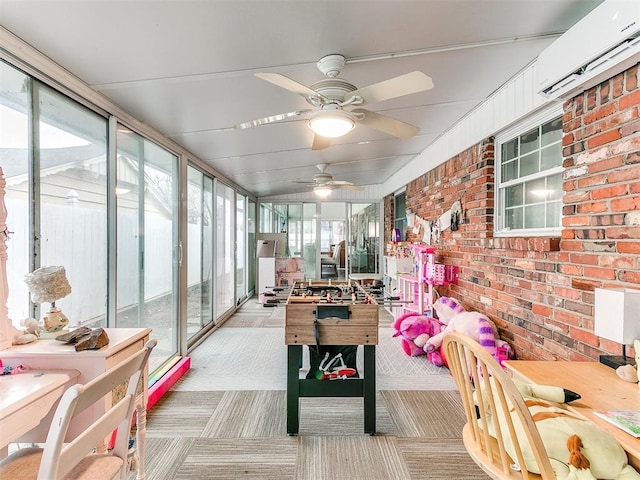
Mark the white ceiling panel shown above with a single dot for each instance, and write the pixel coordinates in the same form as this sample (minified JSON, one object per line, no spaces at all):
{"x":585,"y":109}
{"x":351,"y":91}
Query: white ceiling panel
{"x":187,"y":69}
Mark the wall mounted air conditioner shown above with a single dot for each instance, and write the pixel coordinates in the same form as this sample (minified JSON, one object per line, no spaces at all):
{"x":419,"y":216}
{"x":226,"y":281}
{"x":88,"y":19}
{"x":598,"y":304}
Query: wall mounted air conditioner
{"x":604,"y":43}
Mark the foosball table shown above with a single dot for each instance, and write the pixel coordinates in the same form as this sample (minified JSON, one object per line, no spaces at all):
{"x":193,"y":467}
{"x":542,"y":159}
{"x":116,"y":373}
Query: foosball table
{"x":330,"y":314}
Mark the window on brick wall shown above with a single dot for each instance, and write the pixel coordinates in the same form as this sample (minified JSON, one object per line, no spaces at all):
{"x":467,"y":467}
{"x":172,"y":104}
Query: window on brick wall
{"x":400,"y":214}
{"x":529,"y":177}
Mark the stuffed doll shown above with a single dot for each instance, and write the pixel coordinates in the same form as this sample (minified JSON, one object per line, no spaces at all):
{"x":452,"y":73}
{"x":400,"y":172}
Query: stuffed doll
{"x":473,"y":324}
{"x":577,"y":448}
{"x":415,"y":330}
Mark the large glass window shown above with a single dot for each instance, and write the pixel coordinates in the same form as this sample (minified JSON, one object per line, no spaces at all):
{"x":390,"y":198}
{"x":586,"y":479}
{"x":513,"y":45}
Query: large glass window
{"x":147,"y":261}
{"x":241,"y":247}
{"x":200,"y":251}
{"x":61,"y":188}
{"x":64,"y":220}
{"x":529,"y":178}
{"x":251,"y":246}
{"x":14,"y":143}
{"x":309,"y":241}
{"x":224,"y":248}
{"x":400,"y":216}
{"x":364,"y":232}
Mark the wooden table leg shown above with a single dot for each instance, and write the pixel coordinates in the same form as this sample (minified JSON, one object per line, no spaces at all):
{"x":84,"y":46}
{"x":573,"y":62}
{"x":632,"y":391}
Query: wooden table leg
{"x":370,"y":389}
{"x":294,"y":359}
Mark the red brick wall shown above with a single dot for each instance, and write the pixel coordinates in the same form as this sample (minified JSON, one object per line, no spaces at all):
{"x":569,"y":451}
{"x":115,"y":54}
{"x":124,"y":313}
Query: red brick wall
{"x":540,"y":291}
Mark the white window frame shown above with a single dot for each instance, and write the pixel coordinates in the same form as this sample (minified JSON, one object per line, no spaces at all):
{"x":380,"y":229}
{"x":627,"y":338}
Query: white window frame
{"x":533,"y":121}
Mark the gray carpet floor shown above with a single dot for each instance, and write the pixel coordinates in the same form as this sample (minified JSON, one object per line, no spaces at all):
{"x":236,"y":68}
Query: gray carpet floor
{"x":226,"y":418}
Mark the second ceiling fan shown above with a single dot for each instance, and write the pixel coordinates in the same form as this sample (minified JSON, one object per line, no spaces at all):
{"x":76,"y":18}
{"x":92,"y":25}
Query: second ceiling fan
{"x":334,"y":100}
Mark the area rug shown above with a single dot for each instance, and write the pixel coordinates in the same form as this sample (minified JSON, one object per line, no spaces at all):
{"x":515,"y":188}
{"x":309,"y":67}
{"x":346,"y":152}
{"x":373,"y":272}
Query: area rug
{"x":256,"y":358}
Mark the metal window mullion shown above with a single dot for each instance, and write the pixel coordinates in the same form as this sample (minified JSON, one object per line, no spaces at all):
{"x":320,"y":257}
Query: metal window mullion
{"x":33,"y":115}
{"x":141,"y":231}
{"x":112,"y":223}
{"x":202,"y":230}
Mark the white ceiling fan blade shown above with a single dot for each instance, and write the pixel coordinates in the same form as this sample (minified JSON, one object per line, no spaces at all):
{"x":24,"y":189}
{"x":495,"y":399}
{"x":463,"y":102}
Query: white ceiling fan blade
{"x":348,"y":185}
{"x":386,"y":124}
{"x":320,"y":143}
{"x":272,"y":119}
{"x":406,"y":84}
{"x":287,"y":84}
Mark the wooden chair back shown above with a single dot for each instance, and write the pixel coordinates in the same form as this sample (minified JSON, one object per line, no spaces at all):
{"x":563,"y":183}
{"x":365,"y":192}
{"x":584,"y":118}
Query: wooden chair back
{"x":58,"y":458}
{"x":492,"y":428}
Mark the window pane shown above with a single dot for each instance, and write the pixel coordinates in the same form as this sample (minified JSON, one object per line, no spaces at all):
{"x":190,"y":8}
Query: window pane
{"x":514,"y":196}
{"x":224,"y":247}
{"x":529,"y":142}
{"x":14,"y":138}
{"x":208,"y":225}
{"x":513,"y":218}
{"x":73,"y":203}
{"x":251,"y":246}
{"x":554,"y":187}
{"x":509,"y":170}
{"x":551,"y":156}
{"x":552,"y":132}
{"x":529,"y":164}
{"x":510,"y":150}
{"x":535,"y":191}
{"x":129,"y":169}
{"x":309,"y":240}
{"x":554,"y":212}
{"x":534,"y":216}
{"x":241,"y":251}
{"x":146,"y":238}
{"x":195,"y":197}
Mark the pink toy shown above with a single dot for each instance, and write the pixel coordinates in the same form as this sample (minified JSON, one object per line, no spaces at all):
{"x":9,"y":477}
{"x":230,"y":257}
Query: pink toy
{"x":415,"y":330}
{"x":475,"y":325}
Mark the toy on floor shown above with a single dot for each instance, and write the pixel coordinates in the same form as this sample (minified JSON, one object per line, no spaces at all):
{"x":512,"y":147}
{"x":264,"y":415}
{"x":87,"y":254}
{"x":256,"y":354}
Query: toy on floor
{"x":415,"y":330}
{"x":334,"y":369}
{"x":577,"y":448}
{"x":474,"y":324}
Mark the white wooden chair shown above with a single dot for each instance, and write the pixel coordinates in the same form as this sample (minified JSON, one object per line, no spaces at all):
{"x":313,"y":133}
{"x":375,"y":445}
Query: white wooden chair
{"x":75,"y":460}
{"x":472,"y":368}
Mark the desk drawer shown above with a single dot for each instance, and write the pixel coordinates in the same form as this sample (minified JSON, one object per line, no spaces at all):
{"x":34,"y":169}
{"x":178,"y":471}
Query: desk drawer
{"x":125,"y":353}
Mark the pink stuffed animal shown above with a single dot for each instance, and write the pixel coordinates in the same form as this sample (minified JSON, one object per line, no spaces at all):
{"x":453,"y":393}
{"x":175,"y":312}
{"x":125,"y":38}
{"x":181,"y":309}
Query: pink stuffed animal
{"x":415,"y":330}
{"x":475,"y":325}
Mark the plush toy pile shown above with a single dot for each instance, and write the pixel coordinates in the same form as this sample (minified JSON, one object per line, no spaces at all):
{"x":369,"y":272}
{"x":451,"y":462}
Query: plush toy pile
{"x":415,"y":330}
{"x":577,"y":448}
{"x":423,"y":335}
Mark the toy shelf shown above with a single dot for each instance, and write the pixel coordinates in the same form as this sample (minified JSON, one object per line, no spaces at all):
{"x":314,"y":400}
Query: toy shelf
{"x":417,"y":289}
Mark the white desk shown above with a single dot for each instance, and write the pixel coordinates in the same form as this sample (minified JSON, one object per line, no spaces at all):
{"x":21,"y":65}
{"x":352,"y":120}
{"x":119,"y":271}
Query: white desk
{"x":26,"y":399}
{"x":52,"y":354}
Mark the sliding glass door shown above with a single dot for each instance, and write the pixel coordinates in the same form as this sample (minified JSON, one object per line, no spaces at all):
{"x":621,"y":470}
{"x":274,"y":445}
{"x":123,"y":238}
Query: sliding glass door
{"x":199,"y":251}
{"x":224,"y":249}
{"x":364,"y":238}
{"x":147,"y":240}
{"x":241,"y":247}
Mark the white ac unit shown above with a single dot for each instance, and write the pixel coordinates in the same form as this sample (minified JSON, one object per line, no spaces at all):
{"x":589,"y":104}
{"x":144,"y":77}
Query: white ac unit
{"x":604,"y":43}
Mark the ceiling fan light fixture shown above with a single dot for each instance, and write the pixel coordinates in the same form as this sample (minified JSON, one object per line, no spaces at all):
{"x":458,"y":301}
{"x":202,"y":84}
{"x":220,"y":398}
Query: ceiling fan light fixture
{"x":332,"y":123}
{"x":322,"y":191}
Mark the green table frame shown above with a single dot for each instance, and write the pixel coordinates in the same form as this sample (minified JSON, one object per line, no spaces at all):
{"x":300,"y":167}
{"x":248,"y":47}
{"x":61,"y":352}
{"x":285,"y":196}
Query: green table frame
{"x":356,"y":387}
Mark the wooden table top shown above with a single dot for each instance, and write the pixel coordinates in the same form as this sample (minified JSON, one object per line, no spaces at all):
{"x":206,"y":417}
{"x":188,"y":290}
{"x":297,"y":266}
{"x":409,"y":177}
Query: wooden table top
{"x":600,"y":387}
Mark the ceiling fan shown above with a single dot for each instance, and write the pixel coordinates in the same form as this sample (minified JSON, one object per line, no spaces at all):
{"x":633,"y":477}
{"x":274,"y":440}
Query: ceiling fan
{"x":323,"y":183}
{"x":331,"y":97}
